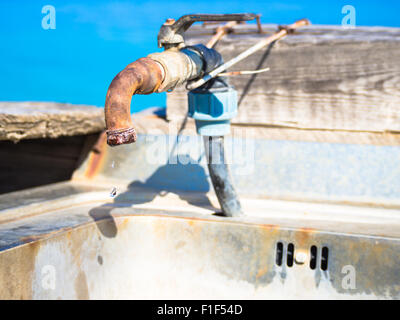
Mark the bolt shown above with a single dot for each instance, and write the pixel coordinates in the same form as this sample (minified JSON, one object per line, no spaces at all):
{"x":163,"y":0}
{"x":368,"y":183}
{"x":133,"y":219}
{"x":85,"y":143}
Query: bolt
{"x":169,"y":21}
{"x":300,"y":257}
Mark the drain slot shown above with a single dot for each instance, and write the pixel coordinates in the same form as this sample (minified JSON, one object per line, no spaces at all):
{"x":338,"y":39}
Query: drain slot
{"x":290,"y":255}
{"x":324,"y":258}
{"x":279,"y":253}
{"x":313,"y":257}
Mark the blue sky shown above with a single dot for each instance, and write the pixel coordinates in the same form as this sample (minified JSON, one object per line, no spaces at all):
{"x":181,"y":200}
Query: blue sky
{"x":94,"y":40}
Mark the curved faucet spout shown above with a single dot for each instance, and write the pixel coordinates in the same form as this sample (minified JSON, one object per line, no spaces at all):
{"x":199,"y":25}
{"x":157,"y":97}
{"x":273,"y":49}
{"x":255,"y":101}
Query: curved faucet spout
{"x":144,"y":76}
{"x":158,"y":72}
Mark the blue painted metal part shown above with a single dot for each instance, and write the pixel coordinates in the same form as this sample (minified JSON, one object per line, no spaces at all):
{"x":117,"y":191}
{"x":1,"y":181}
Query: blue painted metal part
{"x":212,"y":110}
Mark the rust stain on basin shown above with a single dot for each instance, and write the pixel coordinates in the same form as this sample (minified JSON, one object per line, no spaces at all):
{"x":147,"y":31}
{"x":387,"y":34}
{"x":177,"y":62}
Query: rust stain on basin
{"x":81,"y":287}
{"x":16,"y":272}
{"x":97,"y":156}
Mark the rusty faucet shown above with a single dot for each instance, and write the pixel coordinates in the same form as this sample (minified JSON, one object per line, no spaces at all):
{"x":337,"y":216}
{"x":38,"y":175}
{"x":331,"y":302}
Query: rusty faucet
{"x":212,"y":101}
{"x":160,"y":72}
{"x":143,"y":76}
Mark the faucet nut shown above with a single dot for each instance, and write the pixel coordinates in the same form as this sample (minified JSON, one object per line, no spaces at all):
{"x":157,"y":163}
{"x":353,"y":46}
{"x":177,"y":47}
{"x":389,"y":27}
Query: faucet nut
{"x":121,"y":136}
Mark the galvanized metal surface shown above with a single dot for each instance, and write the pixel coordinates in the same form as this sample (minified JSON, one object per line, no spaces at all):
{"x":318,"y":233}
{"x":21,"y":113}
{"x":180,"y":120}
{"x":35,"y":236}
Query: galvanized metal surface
{"x":171,"y":32}
{"x":146,"y":246}
{"x":311,"y":171}
{"x":159,"y":237}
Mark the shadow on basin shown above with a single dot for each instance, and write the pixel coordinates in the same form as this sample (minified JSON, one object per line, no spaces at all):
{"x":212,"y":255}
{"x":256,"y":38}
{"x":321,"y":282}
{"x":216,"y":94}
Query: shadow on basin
{"x":182,"y":180}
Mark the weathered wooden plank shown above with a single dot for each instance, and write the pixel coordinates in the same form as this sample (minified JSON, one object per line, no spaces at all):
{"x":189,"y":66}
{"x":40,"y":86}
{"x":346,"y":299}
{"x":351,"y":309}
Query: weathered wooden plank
{"x":51,"y":138}
{"x":32,"y":120}
{"x":151,"y":125}
{"x":323,"y":78}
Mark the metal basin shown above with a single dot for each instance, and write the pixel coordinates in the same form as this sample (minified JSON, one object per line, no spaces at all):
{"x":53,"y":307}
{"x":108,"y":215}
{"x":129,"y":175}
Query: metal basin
{"x":76,"y":246}
{"x":160,"y":236}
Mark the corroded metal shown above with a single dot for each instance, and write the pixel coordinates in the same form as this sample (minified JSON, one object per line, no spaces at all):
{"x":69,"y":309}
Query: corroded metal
{"x":143,"y":76}
{"x":158,"y":238}
{"x":121,"y":251}
{"x":260,"y":167}
{"x":179,"y":67}
{"x":159,"y":72}
{"x":96,"y":156}
{"x":171,"y":32}
{"x":121,"y":136}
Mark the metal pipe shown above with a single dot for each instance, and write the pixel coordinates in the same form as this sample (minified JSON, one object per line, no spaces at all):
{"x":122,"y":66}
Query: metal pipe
{"x":143,"y":76}
{"x":220,"y":176}
{"x":161,"y":71}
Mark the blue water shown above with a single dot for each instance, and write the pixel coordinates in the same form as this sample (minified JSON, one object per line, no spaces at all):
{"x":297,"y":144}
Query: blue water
{"x":94,"y":40}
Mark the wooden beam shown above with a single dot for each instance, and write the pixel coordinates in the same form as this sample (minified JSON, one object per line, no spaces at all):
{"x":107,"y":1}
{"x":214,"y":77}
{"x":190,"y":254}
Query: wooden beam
{"x":321,"y":78}
{"x":34,"y":120}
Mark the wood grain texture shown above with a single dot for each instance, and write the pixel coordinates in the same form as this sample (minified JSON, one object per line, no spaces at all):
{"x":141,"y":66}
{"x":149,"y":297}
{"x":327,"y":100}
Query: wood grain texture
{"x":322,"y":78}
{"x":33,"y":120}
{"x":153,"y":125}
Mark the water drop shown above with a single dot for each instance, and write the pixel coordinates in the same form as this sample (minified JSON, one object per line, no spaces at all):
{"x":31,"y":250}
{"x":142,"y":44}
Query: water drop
{"x":112,"y":164}
{"x":113,"y":192}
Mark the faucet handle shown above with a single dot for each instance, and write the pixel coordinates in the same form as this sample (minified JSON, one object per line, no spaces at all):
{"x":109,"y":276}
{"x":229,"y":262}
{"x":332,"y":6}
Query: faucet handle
{"x":171,"y":32}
